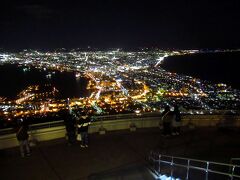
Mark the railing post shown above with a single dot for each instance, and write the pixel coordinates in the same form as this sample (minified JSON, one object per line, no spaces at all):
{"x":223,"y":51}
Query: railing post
{"x":232,"y":172}
{"x":101,"y":129}
{"x":172,"y":168}
{"x":188,"y":169}
{"x":132,"y":125}
{"x":32,"y":139}
{"x":159,"y":164}
{"x":149,"y":157}
{"x":207,"y":171}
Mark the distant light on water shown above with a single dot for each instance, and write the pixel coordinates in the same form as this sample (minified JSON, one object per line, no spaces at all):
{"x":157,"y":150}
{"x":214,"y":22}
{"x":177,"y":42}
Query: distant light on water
{"x":160,"y":60}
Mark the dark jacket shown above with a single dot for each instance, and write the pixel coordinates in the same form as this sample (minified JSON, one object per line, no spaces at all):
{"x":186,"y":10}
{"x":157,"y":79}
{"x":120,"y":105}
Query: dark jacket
{"x":83,"y":124}
{"x":22,"y":132}
{"x":178,"y":115}
{"x":168,"y":117}
{"x":69,"y":122}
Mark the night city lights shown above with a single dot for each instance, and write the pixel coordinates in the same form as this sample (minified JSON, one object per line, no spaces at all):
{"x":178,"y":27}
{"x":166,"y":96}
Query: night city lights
{"x":123,"y":89}
{"x":119,"y":82}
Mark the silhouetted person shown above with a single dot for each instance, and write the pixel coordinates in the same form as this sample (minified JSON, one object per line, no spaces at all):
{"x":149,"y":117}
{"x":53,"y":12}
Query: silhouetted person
{"x":82,"y":125}
{"x":70,"y":122}
{"x":167,"y":118}
{"x":22,"y":137}
{"x":177,"y":121}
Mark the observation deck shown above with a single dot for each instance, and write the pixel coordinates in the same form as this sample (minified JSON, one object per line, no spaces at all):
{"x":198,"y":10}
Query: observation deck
{"x":119,"y":153}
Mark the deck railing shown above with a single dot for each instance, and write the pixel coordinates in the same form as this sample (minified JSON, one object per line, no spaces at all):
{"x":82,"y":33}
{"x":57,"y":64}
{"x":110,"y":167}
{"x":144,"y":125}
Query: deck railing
{"x":50,"y":124}
{"x":185,"y":168}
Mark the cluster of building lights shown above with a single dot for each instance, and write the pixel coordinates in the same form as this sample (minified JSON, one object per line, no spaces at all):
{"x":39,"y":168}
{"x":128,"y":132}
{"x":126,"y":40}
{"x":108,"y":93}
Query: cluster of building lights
{"x":119,"y":81}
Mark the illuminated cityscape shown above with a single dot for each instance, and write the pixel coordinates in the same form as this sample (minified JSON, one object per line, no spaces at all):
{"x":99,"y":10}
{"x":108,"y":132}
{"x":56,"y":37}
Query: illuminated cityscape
{"x":135,"y":90}
{"x":119,"y":82}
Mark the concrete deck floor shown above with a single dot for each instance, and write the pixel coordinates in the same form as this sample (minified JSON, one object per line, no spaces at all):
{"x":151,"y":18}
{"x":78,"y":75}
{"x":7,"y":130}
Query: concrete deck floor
{"x":116,"y":155}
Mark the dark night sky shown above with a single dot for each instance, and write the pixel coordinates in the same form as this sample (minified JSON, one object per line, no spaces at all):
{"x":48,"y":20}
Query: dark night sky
{"x":124,"y":23}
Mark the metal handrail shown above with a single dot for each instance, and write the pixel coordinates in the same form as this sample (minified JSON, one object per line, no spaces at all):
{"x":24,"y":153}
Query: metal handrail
{"x":131,"y":115}
{"x":235,"y":159}
{"x":97,"y":119}
{"x":159,"y":159}
{"x":197,"y":160}
{"x":34,"y":126}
